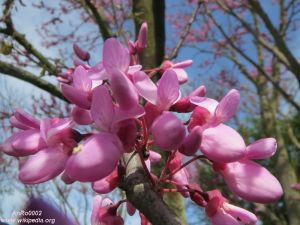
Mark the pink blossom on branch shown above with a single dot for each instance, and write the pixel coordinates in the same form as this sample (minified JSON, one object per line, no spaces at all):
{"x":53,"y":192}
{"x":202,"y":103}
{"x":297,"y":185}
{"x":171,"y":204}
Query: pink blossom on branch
{"x":130,"y":113}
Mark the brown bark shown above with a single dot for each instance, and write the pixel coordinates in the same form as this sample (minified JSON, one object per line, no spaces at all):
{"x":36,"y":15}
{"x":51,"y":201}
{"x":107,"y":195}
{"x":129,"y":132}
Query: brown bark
{"x":284,"y":170}
{"x":142,"y":195}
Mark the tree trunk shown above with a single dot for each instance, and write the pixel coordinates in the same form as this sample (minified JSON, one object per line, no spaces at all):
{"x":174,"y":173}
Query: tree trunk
{"x":284,"y":170}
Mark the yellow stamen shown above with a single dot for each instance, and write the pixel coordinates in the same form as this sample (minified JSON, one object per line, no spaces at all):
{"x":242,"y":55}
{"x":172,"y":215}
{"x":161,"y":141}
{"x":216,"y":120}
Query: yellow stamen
{"x":77,"y":149}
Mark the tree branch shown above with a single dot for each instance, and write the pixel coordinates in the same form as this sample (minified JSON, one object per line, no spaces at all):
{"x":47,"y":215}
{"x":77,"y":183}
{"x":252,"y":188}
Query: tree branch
{"x":292,"y":136}
{"x":185,"y":33}
{"x":100,"y":19}
{"x":295,"y":66}
{"x":141,"y":194}
{"x":21,"y":39}
{"x":8,"y":69}
{"x":251,"y":61}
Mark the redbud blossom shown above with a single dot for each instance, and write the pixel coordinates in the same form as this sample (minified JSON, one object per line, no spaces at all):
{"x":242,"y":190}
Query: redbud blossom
{"x":105,"y":212}
{"x":83,"y":55}
{"x":142,"y":39}
{"x":168,"y":131}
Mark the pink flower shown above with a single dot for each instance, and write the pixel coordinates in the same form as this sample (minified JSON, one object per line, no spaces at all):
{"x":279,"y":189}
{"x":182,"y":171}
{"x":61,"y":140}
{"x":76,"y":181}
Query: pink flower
{"x":184,"y":104}
{"x":164,"y":95}
{"x":220,"y":112}
{"x":105,"y":212}
{"x":168,"y":131}
{"x":178,"y":68}
{"x":26,"y":142}
{"x":108,"y":183}
{"x":83,"y":55}
{"x":141,"y":42}
{"x":180,"y":178}
{"x":250,"y":180}
{"x":96,"y":158}
{"x":81,"y":116}
{"x":222,"y":213}
{"x":107,"y":115}
{"x":296,"y":186}
{"x":80,"y":91}
{"x":191,"y":142}
{"x":50,"y":161}
{"x":220,"y":142}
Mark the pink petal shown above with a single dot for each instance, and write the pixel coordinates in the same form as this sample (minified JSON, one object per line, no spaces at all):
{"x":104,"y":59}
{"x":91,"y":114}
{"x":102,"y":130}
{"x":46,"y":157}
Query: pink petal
{"x":152,"y":112}
{"x":98,"y":72}
{"x":207,"y":103}
{"x":127,"y":132}
{"x":43,"y":166}
{"x":83,"y":55}
{"x":81,"y":116}
{"x":102,"y":109}
{"x":133,"y":69}
{"x":154,"y":156}
{"x":123,"y":90}
{"x":26,"y":119}
{"x":97,"y":158}
{"x":28,"y":142}
{"x":57,"y":127}
{"x":199,"y":117}
{"x":7,"y":147}
{"x":181,"y":75}
{"x":252,"y":182}
{"x":44,"y":128}
{"x":184,"y":104}
{"x":130,"y":208}
{"x":16,"y":123}
{"x":227,"y":106}
{"x":183,"y":64}
{"x":134,"y":112}
{"x":132,"y":47}
{"x":66,"y":179}
{"x":191,"y":142}
{"x":222,"y":218}
{"x":222,"y":144}
{"x":168,"y":131}
{"x":115,"y":56}
{"x":145,"y":86}
{"x":168,"y":90}
{"x":181,"y":179}
{"x":81,"y":80}
{"x":76,"y":96}
{"x":244,"y":215}
{"x":142,"y":37}
{"x":79,"y":62}
{"x":261,"y":149}
{"x":107,"y":184}
{"x":97,"y":202}
{"x":200,"y":91}
{"x":295,"y":186}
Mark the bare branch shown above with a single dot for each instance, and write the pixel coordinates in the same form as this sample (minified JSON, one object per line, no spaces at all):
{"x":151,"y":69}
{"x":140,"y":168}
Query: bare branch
{"x":99,"y":18}
{"x":9,"y":69}
{"x":295,"y":66}
{"x":292,"y":136}
{"x":258,"y":67}
{"x":185,"y":33}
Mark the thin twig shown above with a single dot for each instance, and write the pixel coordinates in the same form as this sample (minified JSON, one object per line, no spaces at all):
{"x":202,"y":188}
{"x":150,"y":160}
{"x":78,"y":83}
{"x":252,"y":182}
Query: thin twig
{"x":185,"y":33}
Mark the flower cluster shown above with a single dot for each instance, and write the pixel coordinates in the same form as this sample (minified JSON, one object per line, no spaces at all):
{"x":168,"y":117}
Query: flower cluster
{"x":133,"y":113}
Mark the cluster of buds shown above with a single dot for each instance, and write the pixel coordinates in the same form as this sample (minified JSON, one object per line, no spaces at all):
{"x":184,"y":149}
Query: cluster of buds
{"x":109,"y":95}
